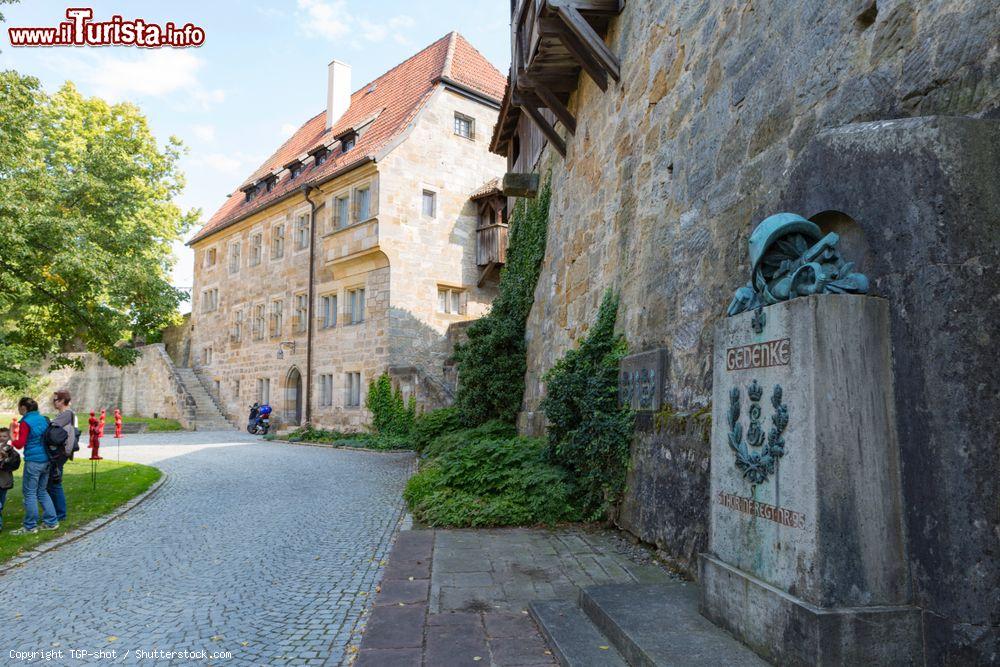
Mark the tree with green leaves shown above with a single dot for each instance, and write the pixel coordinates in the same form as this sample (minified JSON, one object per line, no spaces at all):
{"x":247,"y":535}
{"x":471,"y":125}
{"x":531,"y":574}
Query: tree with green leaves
{"x":87,"y":216}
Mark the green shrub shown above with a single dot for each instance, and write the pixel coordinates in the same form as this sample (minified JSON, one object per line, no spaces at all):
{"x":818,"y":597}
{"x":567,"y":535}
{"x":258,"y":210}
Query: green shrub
{"x":491,"y":430}
{"x":491,"y":365}
{"x":430,"y":425}
{"x":588,"y":434}
{"x":491,"y":482}
{"x":309,"y":434}
{"x":390,"y":416}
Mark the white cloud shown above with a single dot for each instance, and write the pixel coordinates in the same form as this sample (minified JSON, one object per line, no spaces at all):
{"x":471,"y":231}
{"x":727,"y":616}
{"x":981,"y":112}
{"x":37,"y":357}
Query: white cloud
{"x":287,"y":130}
{"x":153,"y":73}
{"x":225,"y":163}
{"x":324,"y":19}
{"x":204,"y":132}
{"x":332,"y":20}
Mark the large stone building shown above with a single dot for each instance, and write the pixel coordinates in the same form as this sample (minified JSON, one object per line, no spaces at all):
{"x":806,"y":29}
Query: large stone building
{"x":353,"y":249}
{"x":671,"y":128}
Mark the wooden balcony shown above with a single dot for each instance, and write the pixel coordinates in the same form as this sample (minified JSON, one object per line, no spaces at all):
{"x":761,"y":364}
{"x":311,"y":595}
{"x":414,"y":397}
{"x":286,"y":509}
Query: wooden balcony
{"x":491,"y":245}
{"x":491,"y":232}
{"x":552,"y":41}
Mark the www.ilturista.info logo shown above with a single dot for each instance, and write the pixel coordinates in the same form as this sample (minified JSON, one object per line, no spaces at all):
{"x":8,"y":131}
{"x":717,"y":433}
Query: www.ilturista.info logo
{"x":80,"y":30}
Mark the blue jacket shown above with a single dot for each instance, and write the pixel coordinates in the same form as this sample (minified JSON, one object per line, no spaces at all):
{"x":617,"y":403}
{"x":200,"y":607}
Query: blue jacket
{"x":34,"y":449}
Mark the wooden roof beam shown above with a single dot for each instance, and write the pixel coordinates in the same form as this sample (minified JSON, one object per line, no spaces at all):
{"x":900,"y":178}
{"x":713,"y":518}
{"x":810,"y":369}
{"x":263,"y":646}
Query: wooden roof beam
{"x":549,"y":99}
{"x":583,"y":32}
{"x":546,"y":129}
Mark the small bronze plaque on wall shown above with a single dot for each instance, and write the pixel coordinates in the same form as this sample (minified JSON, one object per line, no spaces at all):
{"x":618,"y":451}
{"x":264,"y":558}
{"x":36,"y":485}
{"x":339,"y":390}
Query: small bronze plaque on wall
{"x":641,"y":380}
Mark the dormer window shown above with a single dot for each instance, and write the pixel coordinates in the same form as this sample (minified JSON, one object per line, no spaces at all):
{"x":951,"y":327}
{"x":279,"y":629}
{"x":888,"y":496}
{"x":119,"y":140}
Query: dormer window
{"x":269,"y":183}
{"x":347,"y":142}
{"x":294,"y":170}
{"x":248,"y":194}
{"x":321,"y":155}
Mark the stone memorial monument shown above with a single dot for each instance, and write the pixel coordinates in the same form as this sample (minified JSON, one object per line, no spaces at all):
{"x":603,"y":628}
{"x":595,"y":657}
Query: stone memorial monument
{"x":806,"y":561}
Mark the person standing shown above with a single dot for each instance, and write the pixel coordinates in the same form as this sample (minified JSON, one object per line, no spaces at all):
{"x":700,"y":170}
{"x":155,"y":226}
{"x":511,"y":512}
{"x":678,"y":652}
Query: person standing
{"x":7,"y":457}
{"x":67,"y":420}
{"x":35,"y":478}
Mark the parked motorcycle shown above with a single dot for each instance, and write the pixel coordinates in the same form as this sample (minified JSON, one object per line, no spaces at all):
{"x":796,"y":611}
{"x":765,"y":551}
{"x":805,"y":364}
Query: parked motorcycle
{"x":260,"y":419}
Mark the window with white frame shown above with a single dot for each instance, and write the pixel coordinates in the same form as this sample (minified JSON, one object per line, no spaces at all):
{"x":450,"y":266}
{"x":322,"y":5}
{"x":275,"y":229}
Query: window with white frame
{"x":342,"y":211}
{"x":277,"y":317}
{"x":263,"y":390}
{"x":352,"y":393}
{"x":256,"y":246}
{"x":429,"y":204}
{"x":451,"y":301}
{"x":356,"y":305}
{"x":465,"y":126}
{"x":328,"y":310}
{"x":234,"y":256}
{"x":326,"y":390}
{"x":258,"y":322}
{"x":278,"y":241}
{"x":209,"y":300}
{"x":363,"y":203}
{"x":301,"y":312}
{"x":302,"y":231}
{"x":237,"y":333}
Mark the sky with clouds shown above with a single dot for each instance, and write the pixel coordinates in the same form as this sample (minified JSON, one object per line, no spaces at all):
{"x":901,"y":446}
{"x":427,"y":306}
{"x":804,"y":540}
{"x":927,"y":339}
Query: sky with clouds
{"x":260,"y":74}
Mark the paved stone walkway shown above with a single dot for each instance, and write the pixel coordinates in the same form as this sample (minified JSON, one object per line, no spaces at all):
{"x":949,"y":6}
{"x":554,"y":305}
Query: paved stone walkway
{"x":460,"y":597}
{"x":268,"y":551}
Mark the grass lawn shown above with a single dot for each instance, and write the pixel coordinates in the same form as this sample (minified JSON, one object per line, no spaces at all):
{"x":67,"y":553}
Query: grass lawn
{"x":153,"y":424}
{"x":116,"y":483}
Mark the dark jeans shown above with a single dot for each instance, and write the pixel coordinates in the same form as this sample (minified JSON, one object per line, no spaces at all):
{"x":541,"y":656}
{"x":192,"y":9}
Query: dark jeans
{"x":55,"y":490}
{"x":3,"y":499}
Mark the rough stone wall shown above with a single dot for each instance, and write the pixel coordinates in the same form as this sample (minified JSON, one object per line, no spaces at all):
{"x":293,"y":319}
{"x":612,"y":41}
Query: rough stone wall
{"x":147,"y":388}
{"x":670,"y":169}
{"x":397,"y":255}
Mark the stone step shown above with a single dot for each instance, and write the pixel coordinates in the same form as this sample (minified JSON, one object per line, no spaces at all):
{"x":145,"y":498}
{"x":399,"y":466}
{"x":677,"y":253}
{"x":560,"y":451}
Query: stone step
{"x":659,"y":624}
{"x":574,"y":640}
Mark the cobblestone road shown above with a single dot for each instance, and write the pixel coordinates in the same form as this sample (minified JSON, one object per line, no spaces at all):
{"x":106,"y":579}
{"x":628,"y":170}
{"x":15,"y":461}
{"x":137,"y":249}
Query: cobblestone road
{"x":268,"y":551}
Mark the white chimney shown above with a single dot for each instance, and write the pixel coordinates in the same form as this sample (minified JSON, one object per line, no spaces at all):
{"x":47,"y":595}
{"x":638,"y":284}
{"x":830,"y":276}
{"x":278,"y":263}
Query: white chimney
{"x":338,"y":92}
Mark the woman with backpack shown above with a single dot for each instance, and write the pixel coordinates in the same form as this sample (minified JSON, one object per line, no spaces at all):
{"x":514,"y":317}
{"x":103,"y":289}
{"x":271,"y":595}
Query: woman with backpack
{"x":67,"y":421}
{"x":35,"y":478}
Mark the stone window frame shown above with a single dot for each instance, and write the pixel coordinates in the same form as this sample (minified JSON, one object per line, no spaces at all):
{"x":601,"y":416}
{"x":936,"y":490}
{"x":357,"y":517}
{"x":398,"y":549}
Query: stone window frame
{"x":340,"y":210}
{"x":326,"y":390}
{"x":258,"y":323}
{"x":300,"y":216}
{"x":456,"y":300}
{"x":209,"y":299}
{"x":210,"y":257}
{"x":352,"y":389}
{"x":357,"y":200}
{"x":206,"y":355}
{"x":351,"y":301}
{"x":322,"y":310}
{"x":264,"y":390}
{"x":235,"y":255}
{"x":433,"y":200}
{"x":236,"y":333}
{"x":256,"y":255}
{"x":464,"y":120}
{"x":276,"y":317}
{"x":300,"y":312}
{"x":277,"y":241}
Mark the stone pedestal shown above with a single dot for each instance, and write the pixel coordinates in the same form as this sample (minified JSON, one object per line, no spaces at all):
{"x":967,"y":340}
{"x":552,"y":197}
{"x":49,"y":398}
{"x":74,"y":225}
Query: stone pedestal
{"x":807,"y":554}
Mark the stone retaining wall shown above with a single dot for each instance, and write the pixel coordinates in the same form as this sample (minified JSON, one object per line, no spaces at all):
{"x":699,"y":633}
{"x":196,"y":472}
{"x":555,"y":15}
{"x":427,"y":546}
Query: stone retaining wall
{"x":720,"y":119}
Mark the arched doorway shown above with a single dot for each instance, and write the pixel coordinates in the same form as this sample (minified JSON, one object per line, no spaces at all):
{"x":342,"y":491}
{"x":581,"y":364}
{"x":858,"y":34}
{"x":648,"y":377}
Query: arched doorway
{"x":293,"y":397}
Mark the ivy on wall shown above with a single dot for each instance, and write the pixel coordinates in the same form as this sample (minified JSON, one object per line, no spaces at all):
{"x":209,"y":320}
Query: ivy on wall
{"x":588,"y":433}
{"x":491,"y":365}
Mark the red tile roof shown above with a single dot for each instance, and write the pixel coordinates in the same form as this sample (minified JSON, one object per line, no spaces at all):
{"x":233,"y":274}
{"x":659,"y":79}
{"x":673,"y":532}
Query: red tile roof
{"x":397,"y":97}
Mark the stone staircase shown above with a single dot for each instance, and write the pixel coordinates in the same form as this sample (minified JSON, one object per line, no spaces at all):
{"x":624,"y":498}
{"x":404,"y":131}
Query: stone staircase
{"x":207,"y":416}
{"x":639,"y":625}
